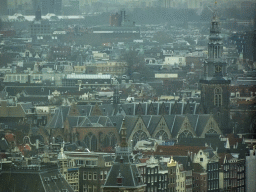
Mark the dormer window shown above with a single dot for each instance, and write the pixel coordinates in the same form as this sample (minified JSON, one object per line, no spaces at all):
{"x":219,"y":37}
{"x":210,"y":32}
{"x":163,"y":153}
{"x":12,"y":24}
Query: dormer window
{"x":119,"y":179}
{"x":121,"y":159}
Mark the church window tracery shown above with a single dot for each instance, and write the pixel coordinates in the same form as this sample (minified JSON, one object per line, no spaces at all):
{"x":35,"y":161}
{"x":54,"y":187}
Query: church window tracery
{"x":185,"y":134}
{"x":91,"y":141}
{"x":217,"y":97}
{"x":138,"y":136}
{"x":162,"y":134}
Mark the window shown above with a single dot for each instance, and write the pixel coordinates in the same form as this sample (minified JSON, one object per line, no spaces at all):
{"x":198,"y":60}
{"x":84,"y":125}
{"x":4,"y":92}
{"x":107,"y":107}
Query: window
{"x":85,"y":175}
{"x":217,"y":97}
{"x":94,"y":176}
{"x":105,"y":174}
{"x":201,"y":159}
{"x":85,"y":189}
{"x":89,"y":176}
{"x":94,"y":188}
{"x":101,"y":175}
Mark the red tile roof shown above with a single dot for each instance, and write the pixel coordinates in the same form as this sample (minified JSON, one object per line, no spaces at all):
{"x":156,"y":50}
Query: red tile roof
{"x":10,"y":137}
{"x":178,"y":150}
{"x":233,"y":140}
{"x":222,"y":157}
{"x":143,"y":160}
{"x":24,"y":147}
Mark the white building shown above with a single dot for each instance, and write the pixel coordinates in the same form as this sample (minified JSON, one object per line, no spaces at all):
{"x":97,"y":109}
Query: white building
{"x":175,"y":61}
{"x":250,"y":171}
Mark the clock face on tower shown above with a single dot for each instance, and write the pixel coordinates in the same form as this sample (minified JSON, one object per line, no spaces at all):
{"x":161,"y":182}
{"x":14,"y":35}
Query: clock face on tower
{"x":218,"y":68}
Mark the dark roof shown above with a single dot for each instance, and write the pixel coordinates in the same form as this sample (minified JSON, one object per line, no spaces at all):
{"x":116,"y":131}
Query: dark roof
{"x":197,"y":168}
{"x":28,"y":179}
{"x":127,"y":171}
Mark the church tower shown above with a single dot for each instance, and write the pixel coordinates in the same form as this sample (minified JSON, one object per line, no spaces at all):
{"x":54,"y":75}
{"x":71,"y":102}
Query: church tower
{"x":214,"y":84}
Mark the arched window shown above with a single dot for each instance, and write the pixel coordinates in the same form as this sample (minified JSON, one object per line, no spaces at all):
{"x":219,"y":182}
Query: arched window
{"x":162,"y":134}
{"x":138,"y":136}
{"x":91,"y":141}
{"x":106,"y":141}
{"x":113,"y":139}
{"x":110,"y":140}
{"x":185,"y":134}
{"x":217,"y":97}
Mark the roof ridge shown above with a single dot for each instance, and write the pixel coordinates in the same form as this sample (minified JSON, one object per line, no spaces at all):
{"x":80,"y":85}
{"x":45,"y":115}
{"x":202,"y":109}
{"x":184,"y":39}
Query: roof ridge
{"x":173,"y":123}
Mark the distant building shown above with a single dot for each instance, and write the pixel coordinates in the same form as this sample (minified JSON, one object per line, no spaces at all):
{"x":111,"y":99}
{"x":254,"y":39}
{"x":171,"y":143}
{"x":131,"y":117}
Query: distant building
{"x":250,"y":171}
{"x":3,"y":7}
{"x":40,"y":28}
{"x":25,"y":176}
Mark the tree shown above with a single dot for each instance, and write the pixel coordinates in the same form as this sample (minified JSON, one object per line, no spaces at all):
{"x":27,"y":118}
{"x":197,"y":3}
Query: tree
{"x":133,"y":61}
{"x":162,"y":37}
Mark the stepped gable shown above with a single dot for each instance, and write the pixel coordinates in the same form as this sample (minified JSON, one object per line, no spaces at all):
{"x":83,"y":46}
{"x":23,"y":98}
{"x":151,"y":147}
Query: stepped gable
{"x":58,"y":118}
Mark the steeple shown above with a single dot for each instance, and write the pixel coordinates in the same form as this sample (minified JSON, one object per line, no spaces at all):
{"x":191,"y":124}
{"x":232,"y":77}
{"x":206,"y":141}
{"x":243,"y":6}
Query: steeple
{"x":215,"y":45}
{"x":215,"y":65}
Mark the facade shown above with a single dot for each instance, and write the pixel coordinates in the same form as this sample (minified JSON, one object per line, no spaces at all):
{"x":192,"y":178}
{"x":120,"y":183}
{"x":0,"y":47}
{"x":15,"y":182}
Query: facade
{"x":199,"y":178}
{"x":85,"y":171}
{"x":233,"y":174}
{"x":152,"y":175}
{"x":179,"y":174}
{"x":60,"y":53}
{"x":112,"y":68}
{"x":250,"y":172}
{"x":86,"y":80}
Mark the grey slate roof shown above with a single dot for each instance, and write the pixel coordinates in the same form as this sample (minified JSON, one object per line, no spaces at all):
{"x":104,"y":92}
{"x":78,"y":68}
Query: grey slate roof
{"x":31,"y":180}
{"x":57,"y":121}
